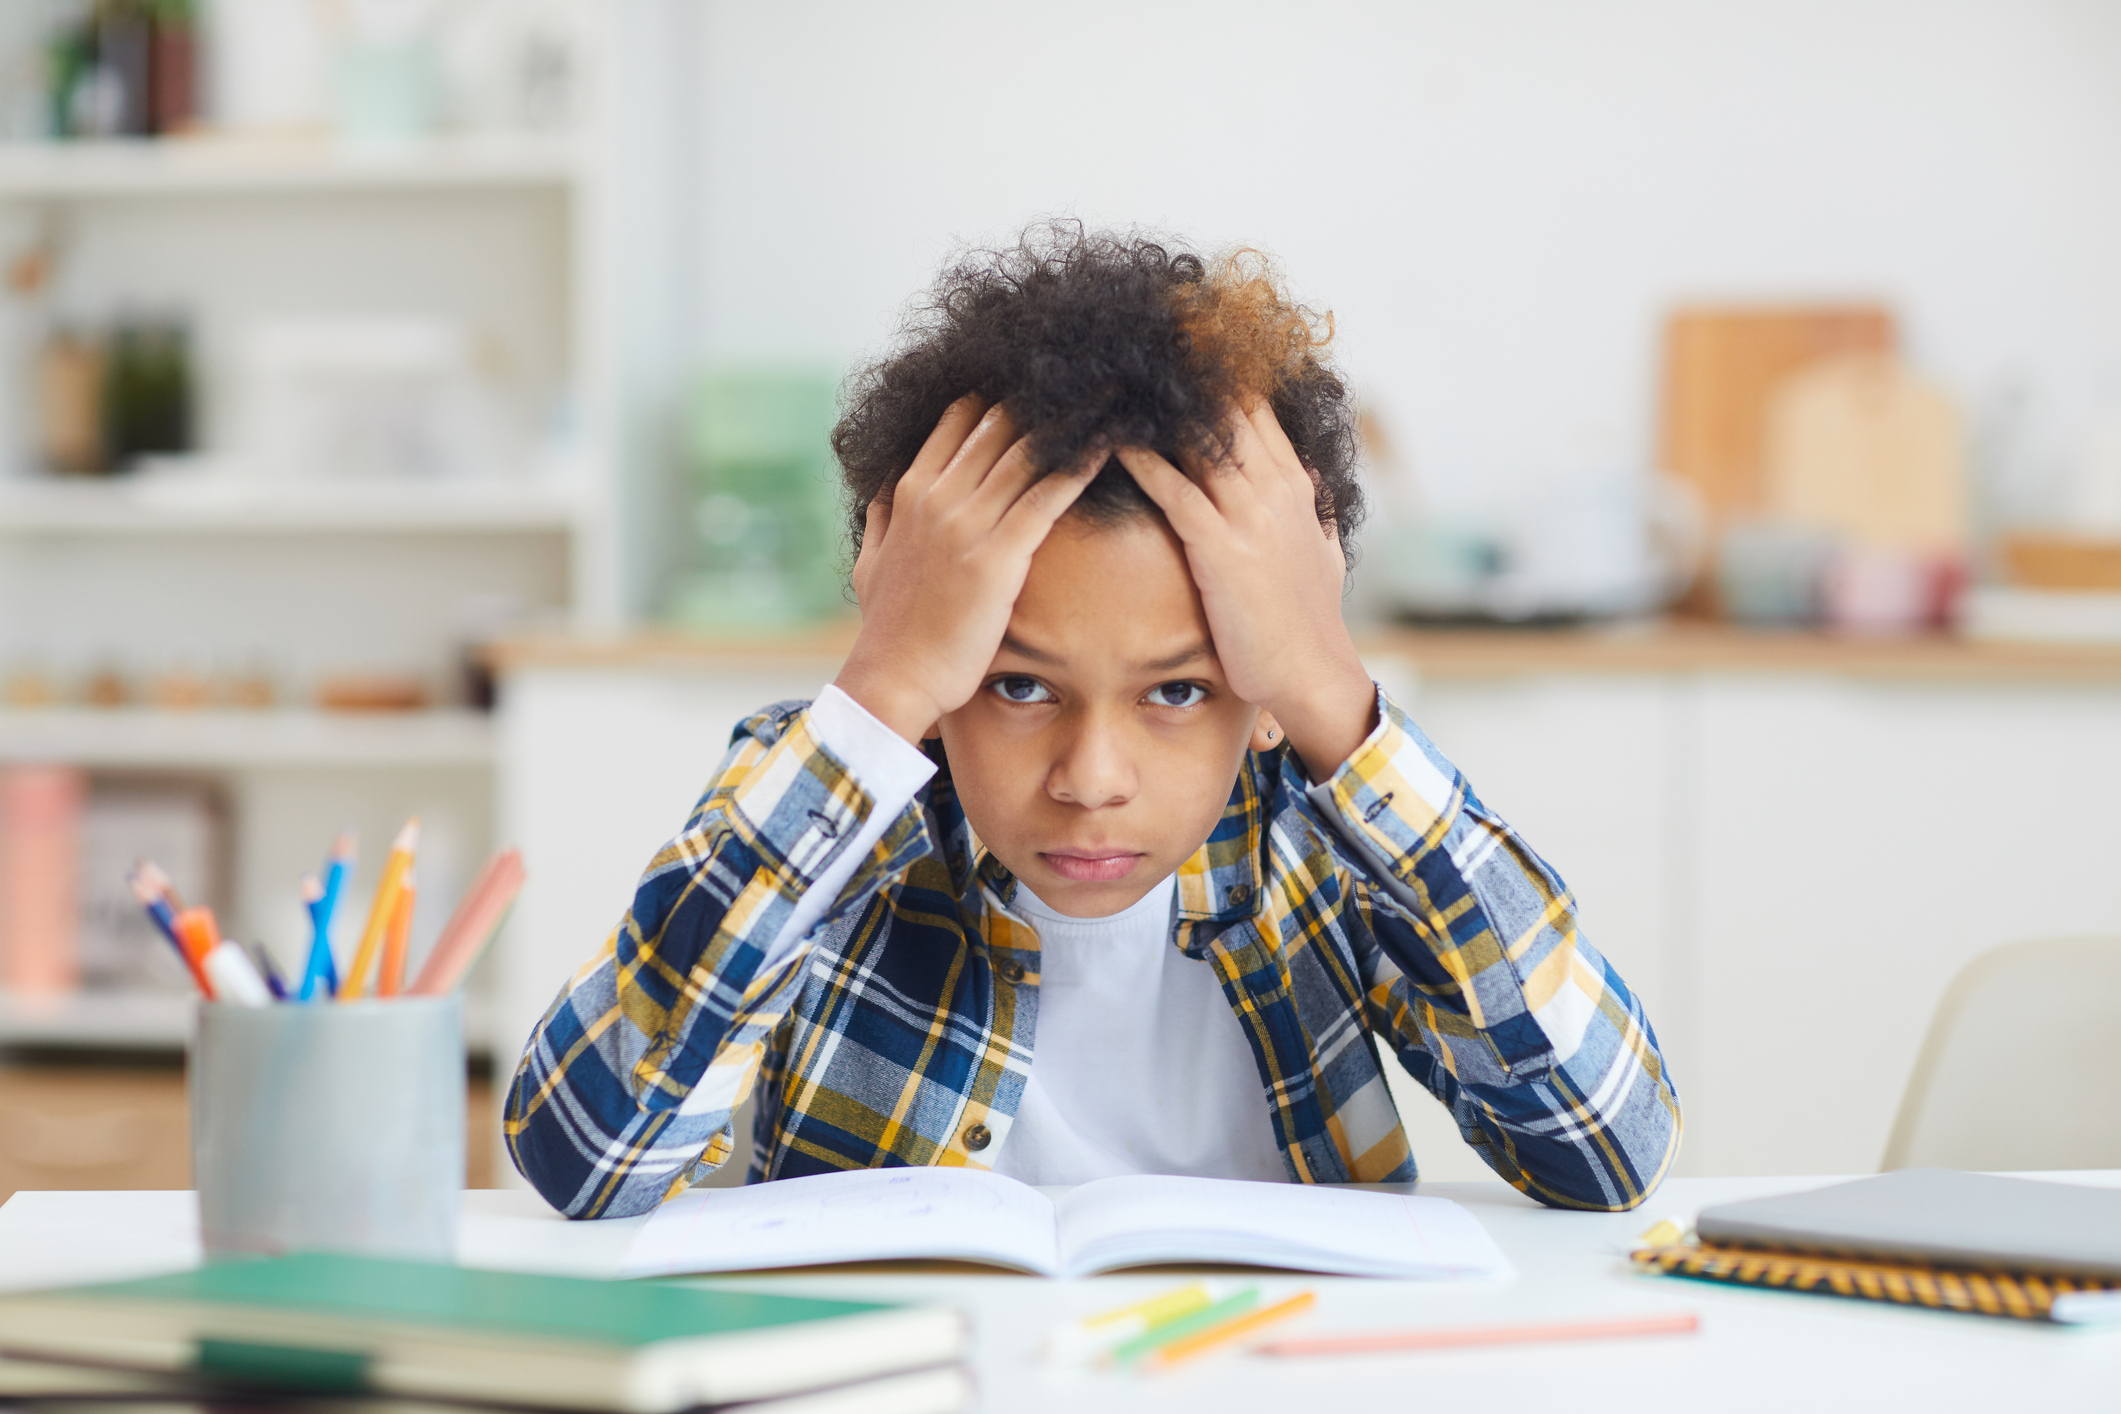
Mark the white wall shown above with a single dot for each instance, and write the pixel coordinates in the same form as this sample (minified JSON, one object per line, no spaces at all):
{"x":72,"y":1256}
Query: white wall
{"x":1497,"y":198}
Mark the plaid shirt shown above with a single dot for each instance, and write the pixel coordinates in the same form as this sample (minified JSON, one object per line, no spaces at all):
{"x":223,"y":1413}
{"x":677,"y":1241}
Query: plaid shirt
{"x":1386,"y":905}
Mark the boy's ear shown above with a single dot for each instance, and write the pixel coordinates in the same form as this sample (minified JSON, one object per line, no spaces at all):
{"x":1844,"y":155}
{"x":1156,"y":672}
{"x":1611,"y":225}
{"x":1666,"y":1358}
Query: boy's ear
{"x":1266,"y":732}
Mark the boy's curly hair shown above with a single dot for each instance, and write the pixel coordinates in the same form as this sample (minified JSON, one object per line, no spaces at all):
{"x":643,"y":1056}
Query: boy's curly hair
{"x":1093,"y":336}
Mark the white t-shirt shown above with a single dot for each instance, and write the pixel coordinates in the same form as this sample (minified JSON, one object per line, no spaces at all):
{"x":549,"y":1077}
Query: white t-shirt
{"x":1138,"y":1065}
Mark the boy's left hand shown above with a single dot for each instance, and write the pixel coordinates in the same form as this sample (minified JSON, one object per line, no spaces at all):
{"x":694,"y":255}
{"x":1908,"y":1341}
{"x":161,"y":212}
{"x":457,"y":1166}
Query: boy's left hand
{"x":1269,"y":577}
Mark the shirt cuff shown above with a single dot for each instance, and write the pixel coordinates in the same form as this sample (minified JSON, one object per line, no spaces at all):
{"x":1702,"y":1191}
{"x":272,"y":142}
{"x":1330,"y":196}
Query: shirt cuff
{"x":1395,"y":794}
{"x":882,"y":763}
{"x":889,"y":767}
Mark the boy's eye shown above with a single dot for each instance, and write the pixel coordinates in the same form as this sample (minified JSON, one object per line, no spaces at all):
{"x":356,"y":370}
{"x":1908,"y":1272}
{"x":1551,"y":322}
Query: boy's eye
{"x":1177,"y":694}
{"x":1018,"y":689}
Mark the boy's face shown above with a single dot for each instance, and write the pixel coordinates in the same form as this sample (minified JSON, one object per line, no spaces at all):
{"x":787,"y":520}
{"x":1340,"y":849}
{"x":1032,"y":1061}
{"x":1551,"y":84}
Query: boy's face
{"x":1101,"y":749}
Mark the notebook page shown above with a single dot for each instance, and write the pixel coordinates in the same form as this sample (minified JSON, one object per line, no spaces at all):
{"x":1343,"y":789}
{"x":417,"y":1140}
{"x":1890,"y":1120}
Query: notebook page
{"x":863,"y":1215}
{"x":1117,"y":1222}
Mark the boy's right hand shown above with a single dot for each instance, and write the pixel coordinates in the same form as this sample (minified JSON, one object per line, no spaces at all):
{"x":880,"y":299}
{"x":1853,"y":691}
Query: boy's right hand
{"x":941,"y":565}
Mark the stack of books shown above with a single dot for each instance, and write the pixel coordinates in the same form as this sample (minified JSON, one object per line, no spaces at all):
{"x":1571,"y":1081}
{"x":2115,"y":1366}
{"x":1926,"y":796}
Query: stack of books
{"x":1919,"y":1237}
{"x":350,"y":1333}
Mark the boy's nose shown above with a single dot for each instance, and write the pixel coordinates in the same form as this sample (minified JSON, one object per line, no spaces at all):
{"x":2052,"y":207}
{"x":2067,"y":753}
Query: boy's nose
{"x":1093,"y":769}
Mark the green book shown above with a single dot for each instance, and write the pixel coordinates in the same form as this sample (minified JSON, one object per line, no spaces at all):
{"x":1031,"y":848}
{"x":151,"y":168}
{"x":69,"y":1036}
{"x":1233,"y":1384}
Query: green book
{"x":339,"y":1325}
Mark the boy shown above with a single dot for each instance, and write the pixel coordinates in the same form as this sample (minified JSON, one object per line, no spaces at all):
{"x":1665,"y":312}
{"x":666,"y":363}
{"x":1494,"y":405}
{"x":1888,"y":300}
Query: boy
{"x":1102,"y":854}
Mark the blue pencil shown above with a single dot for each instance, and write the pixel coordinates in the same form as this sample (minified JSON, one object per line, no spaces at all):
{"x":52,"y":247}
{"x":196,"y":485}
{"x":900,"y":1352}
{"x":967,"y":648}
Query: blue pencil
{"x":151,"y":886}
{"x":323,"y":901}
{"x":270,"y":971}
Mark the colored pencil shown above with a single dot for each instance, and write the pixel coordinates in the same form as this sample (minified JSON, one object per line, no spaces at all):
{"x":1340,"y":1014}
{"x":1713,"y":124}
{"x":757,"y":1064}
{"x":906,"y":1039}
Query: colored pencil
{"x":472,"y":926}
{"x":199,"y":934}
{"x":152,"y":887}
{"x":235,"y":976}
{"x":1459,"y":1337}
{"x":355,"y":983}
{"x":1127,"y":1352}
{"x":1080,"y":1340}
{"x":270,"y":971}
{"x":1177,"y":1352}
{"x":322,"y":895}
{"x":390,"y":976}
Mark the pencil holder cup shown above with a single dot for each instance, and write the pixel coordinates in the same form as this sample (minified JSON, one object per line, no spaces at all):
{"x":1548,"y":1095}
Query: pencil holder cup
{"x":330,"y":1126}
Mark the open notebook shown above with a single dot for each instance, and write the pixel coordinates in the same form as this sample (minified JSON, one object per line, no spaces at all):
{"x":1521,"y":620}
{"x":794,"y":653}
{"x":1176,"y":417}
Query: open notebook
{"x":971,"y":1215}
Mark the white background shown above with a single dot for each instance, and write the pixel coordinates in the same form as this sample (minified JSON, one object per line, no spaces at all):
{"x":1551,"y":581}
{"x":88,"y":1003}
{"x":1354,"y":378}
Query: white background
{"x":1498,"y":200}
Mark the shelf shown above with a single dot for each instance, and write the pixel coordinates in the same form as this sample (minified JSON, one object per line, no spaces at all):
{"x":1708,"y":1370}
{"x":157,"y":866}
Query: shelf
{"x":149,"y":738}
{"x":235,"y":166}
{"x":108,"y":1020}
{"x":134,"y":1020}
{"x":158,"y":504}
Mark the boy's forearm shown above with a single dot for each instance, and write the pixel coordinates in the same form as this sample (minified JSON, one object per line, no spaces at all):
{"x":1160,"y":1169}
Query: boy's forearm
{"x":1331,"y":717}
{"x":1527,"y":1024}
{"x":600,"y":1096}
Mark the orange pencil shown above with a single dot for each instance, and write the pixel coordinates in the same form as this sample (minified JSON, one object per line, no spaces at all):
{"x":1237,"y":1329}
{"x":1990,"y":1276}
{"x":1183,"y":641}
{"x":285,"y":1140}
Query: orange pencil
{"x":1186,"y":1348}
{"x":391,"y":979}
{"x":200,"y":935}
{"x":355,"y":983}
{"x":469,"y":928}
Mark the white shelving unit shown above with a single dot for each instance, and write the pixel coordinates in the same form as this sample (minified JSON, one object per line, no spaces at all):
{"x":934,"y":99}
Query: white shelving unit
{"x":559,"y":250}
{"x":105,"y":1020}
{"x":140,"y":738}
{"x":180,"y":167}
{"x":181,"y":504}
{"x":516,"y":237}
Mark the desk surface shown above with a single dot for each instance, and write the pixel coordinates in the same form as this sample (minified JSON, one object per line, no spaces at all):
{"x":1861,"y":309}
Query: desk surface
{"x":1757,"y":1350}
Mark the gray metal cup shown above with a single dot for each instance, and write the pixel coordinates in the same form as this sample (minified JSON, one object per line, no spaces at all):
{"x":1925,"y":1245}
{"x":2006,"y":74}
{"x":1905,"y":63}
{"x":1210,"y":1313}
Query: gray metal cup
{"x":329,"y":1126}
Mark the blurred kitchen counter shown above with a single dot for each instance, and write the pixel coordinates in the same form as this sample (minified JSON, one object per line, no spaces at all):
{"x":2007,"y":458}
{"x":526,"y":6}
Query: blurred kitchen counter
{"x":1671,"y":646}
{"x":1692,"y":647}
{"x":1787,"y":843}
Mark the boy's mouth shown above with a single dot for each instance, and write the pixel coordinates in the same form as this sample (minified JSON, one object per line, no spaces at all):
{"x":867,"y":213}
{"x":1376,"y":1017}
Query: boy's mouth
{"x":1092,"y":866}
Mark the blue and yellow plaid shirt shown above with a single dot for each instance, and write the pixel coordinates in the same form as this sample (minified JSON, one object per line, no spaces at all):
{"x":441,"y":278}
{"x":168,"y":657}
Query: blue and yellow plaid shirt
{"x":1386,"y":906}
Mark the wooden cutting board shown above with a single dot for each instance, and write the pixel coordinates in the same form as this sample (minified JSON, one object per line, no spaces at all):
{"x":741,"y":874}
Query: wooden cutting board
{"x":1860,"y":447}
{"x":1722,"y":367}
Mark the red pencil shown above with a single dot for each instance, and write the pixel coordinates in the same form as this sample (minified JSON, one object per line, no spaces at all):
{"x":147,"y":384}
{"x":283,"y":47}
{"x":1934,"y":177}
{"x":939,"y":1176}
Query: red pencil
{"x":1456,"y":1337}
{"x":467,"y":932}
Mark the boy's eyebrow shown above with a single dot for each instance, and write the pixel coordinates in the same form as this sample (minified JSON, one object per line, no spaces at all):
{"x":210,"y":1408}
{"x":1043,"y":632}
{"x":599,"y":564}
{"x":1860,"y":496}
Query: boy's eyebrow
{"x":1180,"y":659}
{"x":1024,"y":650}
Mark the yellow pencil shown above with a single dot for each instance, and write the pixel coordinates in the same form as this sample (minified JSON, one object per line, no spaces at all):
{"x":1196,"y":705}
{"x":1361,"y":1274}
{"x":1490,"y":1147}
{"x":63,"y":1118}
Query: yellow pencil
{"x":390,"y":980}
{"x":355,"y":982}
{"x":1201,"y":1342}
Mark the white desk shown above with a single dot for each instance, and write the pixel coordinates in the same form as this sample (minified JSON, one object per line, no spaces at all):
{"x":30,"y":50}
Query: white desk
{"x":1756,"y":1349}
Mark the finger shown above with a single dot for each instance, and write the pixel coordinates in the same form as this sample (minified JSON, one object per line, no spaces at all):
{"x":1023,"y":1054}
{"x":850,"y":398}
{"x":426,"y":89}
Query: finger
{"x":1019,"y":469}
{"x":876,"y":522}
{"x":988,"y":443}
{"x":1043,"y":502}
{"x":958,"y":422}
{"x":1192,"y":512}
{"x":1263,"y":450}
{"x":1273,"y":439}
{"x":1012,"y":474}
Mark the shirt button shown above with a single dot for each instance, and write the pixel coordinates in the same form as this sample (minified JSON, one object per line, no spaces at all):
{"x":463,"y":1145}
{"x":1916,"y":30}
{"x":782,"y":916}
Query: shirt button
{"x":978,"y":1137}
{"x":1238,"y":893}
{"x":1012,"y":972}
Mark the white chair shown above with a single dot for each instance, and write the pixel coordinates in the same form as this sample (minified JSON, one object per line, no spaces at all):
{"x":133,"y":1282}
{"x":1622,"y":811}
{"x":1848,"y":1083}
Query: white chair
{"x":2021,"y":1068}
